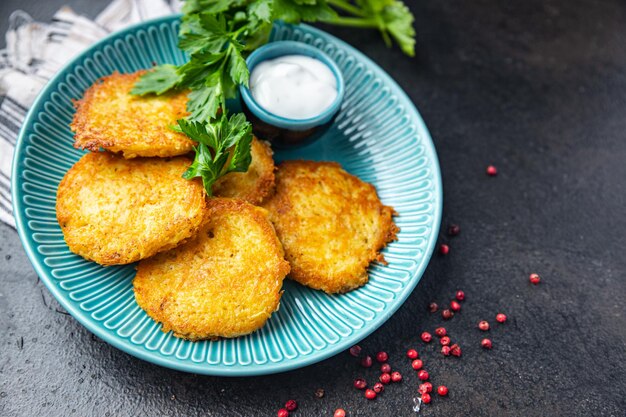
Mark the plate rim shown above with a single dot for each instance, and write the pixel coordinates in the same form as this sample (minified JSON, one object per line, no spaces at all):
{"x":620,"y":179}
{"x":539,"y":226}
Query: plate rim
{"x":205,"y":368}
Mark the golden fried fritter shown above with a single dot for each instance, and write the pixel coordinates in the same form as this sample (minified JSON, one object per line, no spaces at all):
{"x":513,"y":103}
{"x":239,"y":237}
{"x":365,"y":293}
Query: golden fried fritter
{"x":331,"y":224}
{"x":226,"y":282}
{"x":109,"y":117}
{"x":253,"y":185}
{"x":117,"y":211}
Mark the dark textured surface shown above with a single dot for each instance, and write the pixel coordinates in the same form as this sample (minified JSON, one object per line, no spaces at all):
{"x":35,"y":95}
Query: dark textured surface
{"x":537,"y":88}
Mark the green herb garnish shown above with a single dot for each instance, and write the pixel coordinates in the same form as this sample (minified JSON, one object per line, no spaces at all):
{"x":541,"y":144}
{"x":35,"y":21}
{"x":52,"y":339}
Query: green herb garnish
{"x":218,"y":34}
{"x":223,"y":147}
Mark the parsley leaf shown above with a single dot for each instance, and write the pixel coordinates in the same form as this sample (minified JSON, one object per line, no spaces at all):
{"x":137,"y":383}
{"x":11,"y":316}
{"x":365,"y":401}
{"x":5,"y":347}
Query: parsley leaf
{"x":159,"y":80}
{"x":223,"y":147}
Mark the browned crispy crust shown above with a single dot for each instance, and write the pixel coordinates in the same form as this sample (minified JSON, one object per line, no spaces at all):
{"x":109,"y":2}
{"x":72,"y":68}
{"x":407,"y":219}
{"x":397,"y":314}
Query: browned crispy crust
{"x":331,"y":224}
{"x":109,"y":117}
{"x":225,"y":282}
{"x":116,"y":211}
{"x":255,"y":184}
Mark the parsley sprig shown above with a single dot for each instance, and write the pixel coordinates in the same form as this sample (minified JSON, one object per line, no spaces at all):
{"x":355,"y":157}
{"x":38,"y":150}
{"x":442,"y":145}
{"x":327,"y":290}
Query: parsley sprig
{"x":223,"y":147}
{"x":218,"y":34}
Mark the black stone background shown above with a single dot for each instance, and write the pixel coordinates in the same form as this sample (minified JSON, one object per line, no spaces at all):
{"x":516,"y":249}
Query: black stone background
{"x":537,"y":88}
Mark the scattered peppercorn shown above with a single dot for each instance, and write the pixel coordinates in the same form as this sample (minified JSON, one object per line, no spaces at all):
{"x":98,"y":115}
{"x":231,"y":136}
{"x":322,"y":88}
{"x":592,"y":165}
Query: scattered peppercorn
{"x":423,"y":375}
{"x":433,"y":307}
{"x":501,"y":318}
{"x":460,"y":295}
{"x":319,"y":393}
{"x":396,"y":376}
{"x":417,"y":364}
{"x":378,"y":388}
{"x":412,"y":354}
{"x":360,"y":383}
{"x":485,"y":343}
{"x":441,"y":331}
{"x":382,"y":357}
{"x":442,"y":390}
{"x":534,"y":279}
{"x":455,"y":306}
{"x":492,"y":171}
{"x":444,"y":249}
{"x":425,"y":388}
{"x":385,"y":378}
{"x":291,"y":405}
{"x":385,"y":368}
{"x":483,"y":325}
{"x":426,"y":398}
{"x":454,"y":230}
{"x":445,"y":350}
{"x":340,"y":412}
{"x":355,"y":351}
{"x":426,"y":337}
{"x":283,"y":413}
{"x":445,"y":341}
{"x":447,"y":314}
{"x":370,"y":394}
{"x":455,"y":350}
{"x":367,"y":362}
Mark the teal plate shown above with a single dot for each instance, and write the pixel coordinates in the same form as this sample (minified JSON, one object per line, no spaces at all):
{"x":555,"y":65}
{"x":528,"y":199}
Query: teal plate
{"x":378,"y":135}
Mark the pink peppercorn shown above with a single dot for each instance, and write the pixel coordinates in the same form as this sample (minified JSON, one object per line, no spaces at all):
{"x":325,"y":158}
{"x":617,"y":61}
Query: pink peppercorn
{"x":355,"y":351}
{"x":492,"y":171}
{"x":426,"y":398}
{"x":385,"y":368}
{"x":460,"y":295}
{"x":445,"y":350}
{"x":441,"y":331}
{"x":378,"y":387}
{"x":454,"y":230}
{"x":483,"y":325}
{"x":359,"y":383}
{"x":382,"y":357}
{"x":340,"y":412}
{"x":283,"y":413}
{"x":455,"y":306}
{"x":385,"y":378}
{"x":433,"y":307}
{"x":442,"y":390}
{"x":445,"y":341}
{"x":501,"y":318}
{"x":486,"y":343}
{"x":370,"y":394}
{"x":412,"y":354}
{"x":417,"y":364}
{"x":444,"y":249}
{"x":423,"y":375}
{"x":447,"y":314}
{"x":455,"y":350}
{"x":291,"y":405}
{"x":534,"y":279}
{"x":425,"y":388}
{"x":426,"y":337}
{"x":367,"y":362}
{"x":396,"y":376}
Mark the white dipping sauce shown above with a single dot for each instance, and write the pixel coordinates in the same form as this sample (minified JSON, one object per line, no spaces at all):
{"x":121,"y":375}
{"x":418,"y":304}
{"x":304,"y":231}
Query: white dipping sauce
{"x":293,"y":86}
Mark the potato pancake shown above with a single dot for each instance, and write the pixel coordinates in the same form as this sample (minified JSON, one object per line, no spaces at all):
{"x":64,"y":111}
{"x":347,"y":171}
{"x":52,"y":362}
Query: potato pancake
{"x":116,"y":211}
{"x":331,"y":224}
{"x":109,"y":117}
{"x":226,"y":282}
{"x":253,"y":185}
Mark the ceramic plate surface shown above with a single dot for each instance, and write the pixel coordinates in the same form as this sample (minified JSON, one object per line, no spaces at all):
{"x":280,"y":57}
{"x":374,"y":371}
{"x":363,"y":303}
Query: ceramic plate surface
{"x":378,"y":136}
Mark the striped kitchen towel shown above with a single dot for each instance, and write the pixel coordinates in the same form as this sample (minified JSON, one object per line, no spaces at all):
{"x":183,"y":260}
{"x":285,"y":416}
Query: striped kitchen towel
{"x":36,"y":51}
